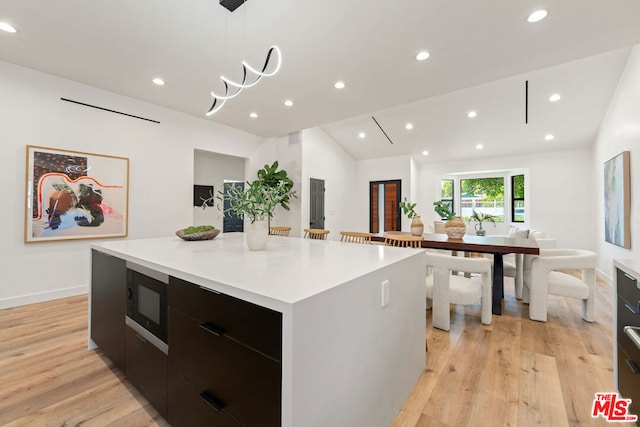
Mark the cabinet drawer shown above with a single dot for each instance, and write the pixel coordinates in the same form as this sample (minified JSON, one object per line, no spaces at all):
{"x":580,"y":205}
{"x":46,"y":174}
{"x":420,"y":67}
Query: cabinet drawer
{"x":146,"y":368}
{"x":627,"y":316}
{"x":188,"y":409}
{"x":629,"y":380}
{"x":255,"y":326}
{"x":244,"y":381}
{"x":627,"y":287}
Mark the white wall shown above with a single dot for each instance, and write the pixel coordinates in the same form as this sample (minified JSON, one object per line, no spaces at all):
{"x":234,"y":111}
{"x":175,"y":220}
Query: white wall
{"x":213,"y":169}
{"x":323,"y":158}
{"x":385,"y":169}
{"x":559,"y":189}
{"x":620,"y":131}
{"x":161,"y":171}
{"x":289,"y":157}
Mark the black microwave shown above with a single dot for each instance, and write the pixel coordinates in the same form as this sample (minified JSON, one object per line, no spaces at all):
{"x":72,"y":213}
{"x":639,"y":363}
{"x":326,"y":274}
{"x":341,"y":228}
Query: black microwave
{"x":147,"y":303}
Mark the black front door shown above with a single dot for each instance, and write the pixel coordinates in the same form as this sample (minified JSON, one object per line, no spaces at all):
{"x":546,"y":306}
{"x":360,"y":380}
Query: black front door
{"x":316,"y":208}
{"x":232,"y":223}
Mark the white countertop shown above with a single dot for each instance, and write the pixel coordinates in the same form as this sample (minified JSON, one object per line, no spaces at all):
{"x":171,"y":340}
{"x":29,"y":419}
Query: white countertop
{"x":291,"y":269}
{"x":629,"y":266}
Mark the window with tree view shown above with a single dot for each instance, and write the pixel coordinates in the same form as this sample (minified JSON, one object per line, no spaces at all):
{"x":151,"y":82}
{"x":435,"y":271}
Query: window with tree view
{"x":446,"y":193}
{"x":484,"y":195}
{"x":517,"y":198}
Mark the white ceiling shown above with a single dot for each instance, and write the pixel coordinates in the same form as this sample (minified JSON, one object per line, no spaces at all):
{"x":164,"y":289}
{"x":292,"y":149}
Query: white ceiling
{"x":481,"y":54}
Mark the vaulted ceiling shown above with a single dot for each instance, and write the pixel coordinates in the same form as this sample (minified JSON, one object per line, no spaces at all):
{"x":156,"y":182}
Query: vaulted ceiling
{"x":482,"y":52}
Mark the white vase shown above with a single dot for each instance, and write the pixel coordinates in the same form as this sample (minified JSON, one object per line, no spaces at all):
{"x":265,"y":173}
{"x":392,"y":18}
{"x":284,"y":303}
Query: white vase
{"x":256,"y":234}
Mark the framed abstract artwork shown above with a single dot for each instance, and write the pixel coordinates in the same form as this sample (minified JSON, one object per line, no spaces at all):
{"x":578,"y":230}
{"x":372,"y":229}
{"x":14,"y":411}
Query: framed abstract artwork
{"x":617,"y":200}
{"x":75,"y":195}
{"x":202,"y":195}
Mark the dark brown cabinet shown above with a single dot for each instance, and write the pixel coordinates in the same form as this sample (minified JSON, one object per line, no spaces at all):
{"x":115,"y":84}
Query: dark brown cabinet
{"x":146,"y":368}
{"x":628,"y":352}
{"x":108,"y":282}
{"x":226,"y":354}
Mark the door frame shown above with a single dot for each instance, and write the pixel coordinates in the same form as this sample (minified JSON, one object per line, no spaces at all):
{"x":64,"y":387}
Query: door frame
{"x":371,"y":207}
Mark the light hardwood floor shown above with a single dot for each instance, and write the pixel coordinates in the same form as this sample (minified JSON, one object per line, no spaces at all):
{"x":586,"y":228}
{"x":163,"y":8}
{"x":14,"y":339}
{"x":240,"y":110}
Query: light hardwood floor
{"x":515,"y":372}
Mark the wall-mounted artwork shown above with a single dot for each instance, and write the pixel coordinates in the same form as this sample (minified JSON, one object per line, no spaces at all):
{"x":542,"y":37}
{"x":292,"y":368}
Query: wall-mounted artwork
{"x":203,"y":195}
{"x":617,"y":200}
{"x":75,"y":195}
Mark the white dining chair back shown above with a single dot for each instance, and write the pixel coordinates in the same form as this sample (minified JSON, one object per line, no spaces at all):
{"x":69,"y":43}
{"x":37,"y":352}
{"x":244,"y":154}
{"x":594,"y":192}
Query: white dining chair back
{"x":444,"y":289}
{"x":542,"y":277}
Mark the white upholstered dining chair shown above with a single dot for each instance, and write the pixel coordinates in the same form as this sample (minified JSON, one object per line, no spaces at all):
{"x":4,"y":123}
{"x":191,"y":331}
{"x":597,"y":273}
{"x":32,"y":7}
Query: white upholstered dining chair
{"x":444,"y":289}
{"x":541,"y":278}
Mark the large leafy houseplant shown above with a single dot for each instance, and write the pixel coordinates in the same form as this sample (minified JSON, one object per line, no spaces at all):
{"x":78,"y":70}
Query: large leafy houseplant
{"x":272,"y":177}
{"x":257,"y":200}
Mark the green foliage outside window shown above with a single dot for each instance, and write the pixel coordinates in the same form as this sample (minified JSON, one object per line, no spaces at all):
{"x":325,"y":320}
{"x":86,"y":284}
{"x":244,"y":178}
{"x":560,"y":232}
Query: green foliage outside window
{"x":491,"y":188}
{"x":447,"y":188}
{"x":485,"y":195}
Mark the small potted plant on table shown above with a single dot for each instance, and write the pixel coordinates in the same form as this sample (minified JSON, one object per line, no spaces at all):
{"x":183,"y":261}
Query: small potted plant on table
{"x":409,"y":209}
{"x":480,"y":217}
{"x":455,"y":226}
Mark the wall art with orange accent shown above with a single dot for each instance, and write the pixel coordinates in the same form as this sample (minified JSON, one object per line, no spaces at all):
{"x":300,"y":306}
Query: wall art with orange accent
{"x":75,"y":195}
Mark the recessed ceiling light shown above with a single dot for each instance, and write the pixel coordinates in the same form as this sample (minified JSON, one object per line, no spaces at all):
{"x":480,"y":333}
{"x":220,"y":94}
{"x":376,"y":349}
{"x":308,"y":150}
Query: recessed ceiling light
{"x":538,"y":15}
{"x":425,"y":153}
{"x":479,"y":146}
{"x":288,"y":103}
{"x":158,"y":81}
{"x":548,"y":137}
{"x":362,"y":135}
{"x":471,"y":114}
{"x":339,"y":85}
{"x":421,"y":56}
{"x":7,"y":27}
{"x":555,"y":97}
{"x":408,"y":126}
{"x":253,"y":115}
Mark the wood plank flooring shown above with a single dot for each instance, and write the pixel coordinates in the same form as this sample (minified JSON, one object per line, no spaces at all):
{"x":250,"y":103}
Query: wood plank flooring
{"x":49,"y":378}
{"x":515,"y":372}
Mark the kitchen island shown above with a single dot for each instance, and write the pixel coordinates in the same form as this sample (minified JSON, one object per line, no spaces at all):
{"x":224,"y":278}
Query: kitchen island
{"x":351,"y":343}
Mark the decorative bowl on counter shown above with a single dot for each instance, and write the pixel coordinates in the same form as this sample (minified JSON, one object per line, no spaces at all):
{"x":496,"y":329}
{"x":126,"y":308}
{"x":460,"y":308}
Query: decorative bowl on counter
{"x":198,"y":233}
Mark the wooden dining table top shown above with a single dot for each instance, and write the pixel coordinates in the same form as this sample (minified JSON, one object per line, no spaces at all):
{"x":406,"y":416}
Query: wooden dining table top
{"x":483,"y":244}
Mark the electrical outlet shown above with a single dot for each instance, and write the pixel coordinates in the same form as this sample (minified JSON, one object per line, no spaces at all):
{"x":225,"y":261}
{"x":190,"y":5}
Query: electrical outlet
{"x":385,"y":293}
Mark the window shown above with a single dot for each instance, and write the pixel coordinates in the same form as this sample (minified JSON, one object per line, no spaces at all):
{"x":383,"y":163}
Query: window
{"x":446,"y":193}
{"x":517,"y":198}
{"x":484,"y":195}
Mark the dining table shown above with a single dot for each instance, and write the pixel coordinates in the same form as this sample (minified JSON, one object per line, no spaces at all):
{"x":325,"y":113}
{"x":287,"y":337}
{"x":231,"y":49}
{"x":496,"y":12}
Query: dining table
{"x":496,"y":245}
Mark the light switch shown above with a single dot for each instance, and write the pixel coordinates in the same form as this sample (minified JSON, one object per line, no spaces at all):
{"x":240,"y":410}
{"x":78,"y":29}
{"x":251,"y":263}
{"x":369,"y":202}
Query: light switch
{"x":385,"y":293}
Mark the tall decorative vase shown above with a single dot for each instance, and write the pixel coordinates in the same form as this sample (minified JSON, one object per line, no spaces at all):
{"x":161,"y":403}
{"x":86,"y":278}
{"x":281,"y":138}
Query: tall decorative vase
{"x":256,"y":234}
{"x":455,"y":228}
{"x":417,"y":227}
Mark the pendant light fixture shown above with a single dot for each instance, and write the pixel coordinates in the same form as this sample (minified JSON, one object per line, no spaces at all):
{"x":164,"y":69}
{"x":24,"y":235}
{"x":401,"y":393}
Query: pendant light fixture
{"x":250,"y":76}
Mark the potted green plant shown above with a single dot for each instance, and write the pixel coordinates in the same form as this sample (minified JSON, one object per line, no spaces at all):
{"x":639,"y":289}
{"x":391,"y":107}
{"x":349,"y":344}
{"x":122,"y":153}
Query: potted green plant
{"x":272,"y":177}
{"x":480,"y":217}
{"x":443,"y":209}
{"x":409,"y":209}
{"x":256,"y":202}
{"x":454,"y":225}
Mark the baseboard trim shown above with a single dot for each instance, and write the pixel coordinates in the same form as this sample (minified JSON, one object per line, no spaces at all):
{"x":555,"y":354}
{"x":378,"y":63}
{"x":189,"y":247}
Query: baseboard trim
{"x":604,"y":277}
{"x":42,"y":296}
